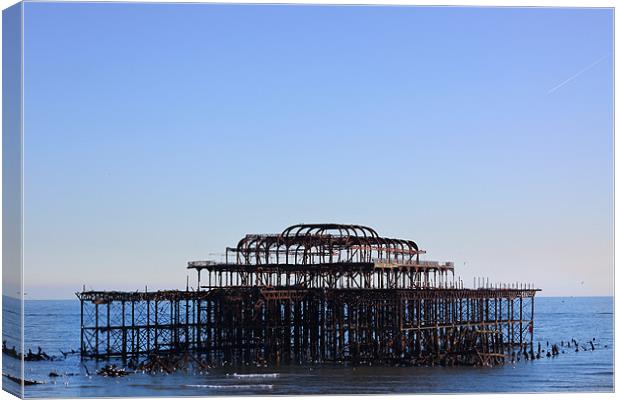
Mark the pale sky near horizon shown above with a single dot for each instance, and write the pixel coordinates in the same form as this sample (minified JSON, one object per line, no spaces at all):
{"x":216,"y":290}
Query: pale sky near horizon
{"x":157,"y":134}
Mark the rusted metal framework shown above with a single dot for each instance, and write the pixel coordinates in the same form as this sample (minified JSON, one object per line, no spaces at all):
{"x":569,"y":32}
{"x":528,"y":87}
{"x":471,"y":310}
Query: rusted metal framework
{"x":315,"y":293}
{"x":325,"y":255}
{"x":314,"y":244}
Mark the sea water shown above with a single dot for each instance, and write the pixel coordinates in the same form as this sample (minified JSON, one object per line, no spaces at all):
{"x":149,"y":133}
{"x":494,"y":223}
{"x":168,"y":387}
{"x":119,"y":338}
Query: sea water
{"x":55,"y":326}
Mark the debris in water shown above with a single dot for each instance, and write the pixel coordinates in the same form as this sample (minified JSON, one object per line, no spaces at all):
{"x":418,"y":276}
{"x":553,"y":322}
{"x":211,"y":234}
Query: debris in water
{"x":25,"y":382}
{"x":112,"y":371}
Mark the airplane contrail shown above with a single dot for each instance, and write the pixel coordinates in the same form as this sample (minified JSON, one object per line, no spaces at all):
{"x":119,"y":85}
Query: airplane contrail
{"x":577,"y":74}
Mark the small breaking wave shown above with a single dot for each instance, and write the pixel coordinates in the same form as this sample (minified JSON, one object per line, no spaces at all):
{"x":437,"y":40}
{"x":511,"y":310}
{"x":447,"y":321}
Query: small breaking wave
{"x":255,"y":376}
{"x":268,"y":387}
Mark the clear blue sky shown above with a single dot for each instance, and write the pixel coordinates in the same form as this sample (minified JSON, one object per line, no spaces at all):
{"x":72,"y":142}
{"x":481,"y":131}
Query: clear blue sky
{"x":157,"y":134}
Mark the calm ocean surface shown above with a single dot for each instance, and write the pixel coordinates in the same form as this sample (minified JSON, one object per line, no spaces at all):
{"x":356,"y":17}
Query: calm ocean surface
{"x":54,"y":326}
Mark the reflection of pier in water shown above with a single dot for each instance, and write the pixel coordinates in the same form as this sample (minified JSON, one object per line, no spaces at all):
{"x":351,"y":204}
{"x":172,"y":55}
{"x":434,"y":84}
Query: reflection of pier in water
{"x":312,"y":294}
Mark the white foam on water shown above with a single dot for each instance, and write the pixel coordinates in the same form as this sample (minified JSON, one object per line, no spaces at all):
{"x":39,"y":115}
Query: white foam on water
{"x":254,"y":376}
{"x":269,"y":387}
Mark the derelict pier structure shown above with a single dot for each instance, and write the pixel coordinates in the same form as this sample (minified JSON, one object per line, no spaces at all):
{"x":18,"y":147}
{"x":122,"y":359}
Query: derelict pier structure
{"x":315,"y":293}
